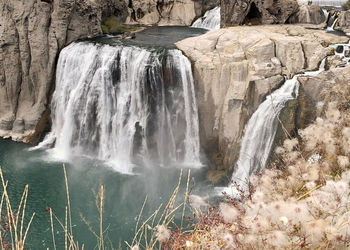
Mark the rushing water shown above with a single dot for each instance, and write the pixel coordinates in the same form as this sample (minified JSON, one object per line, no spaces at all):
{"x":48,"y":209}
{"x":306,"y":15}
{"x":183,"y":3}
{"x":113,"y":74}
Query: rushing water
{"x":210,"y":20}
{"x":260,"y":131}
{"x":126,"y":105}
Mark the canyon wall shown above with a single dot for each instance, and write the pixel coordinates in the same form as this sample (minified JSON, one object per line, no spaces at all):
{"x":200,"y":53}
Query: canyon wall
{"x":235,"y":68}
{"x":32,"y":32}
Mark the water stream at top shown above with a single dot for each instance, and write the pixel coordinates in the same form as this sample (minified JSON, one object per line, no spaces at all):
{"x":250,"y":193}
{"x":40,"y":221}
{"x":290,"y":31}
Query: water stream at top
{"x":210,"y":20}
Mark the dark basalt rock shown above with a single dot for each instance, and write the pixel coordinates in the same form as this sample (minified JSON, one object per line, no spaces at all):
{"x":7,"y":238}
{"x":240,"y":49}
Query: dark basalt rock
{"x":339,"y":49}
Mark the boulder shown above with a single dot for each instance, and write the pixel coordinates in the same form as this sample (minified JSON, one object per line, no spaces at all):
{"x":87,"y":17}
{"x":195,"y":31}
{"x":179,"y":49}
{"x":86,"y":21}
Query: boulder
{"x":32,"y":33}
{"x":235,"y":68}
{"x":238,"y":12}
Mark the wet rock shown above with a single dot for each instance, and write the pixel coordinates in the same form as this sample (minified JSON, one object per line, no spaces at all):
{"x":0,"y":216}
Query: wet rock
{"x":339,"y":49}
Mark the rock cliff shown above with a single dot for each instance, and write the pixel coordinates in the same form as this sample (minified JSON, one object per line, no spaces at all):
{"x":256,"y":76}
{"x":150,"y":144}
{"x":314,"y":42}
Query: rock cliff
{"x":167,"y":12}
{"x":343,"y":22}
{"x":238,"y":12}
{"x":312,"y":14}
{"x":32,"y":32}
{"x":235,"y":68}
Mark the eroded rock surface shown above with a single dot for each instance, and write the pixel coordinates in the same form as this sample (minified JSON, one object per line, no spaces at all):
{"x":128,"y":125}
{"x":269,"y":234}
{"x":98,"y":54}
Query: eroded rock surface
{"x":235,"y":68}
{"x":32,"y":32}
{"x":308,"y":13}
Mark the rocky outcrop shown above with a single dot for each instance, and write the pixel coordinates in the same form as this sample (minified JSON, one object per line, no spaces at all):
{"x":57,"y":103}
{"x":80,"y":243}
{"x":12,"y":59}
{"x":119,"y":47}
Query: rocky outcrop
{"x":235,"y":68}
{"x":32,"y":32}
{"x":314,"y":86}
{"x":167,"y":12}
{"x":343,"y":22}
{"x":238,"y":12}
{"x":308,"y":13}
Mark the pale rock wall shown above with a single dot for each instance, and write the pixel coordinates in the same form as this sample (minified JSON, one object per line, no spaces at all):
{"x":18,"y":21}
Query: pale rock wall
{"x":235,"y":68}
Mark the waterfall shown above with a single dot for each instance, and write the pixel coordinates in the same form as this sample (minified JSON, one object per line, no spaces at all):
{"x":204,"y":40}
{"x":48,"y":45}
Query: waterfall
{"x":326,"y":14}
{"x":124,"y":105}
{"x":260,"y":131}
{"x":210,"y":20}
{"x":331,"y":22}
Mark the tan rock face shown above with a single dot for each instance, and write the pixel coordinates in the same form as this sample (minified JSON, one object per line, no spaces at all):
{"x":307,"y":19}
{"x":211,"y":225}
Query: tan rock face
{"x":343,"y":22}
{"x":311,"y":14}
{"x":32,"y":32}
{"x":167,"y":12}
{"x":235,"y":68}
{"x":312,"y":88}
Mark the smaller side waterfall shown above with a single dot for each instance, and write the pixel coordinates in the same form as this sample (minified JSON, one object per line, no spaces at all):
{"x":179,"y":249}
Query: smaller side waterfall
{"x":210,"y":20}
{"x":331,"y":21}
{"x":326,"y":14}
{"x":260,"y":132}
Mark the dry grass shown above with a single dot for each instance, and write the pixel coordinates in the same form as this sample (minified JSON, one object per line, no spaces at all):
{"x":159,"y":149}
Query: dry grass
{"x":13,"y":232}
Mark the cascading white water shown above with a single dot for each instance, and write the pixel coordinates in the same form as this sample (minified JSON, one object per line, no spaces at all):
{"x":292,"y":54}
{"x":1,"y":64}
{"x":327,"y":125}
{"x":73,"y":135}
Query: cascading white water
{"x":260,"y":132}
{"x":124,"y":105}
{"x":331,"y":21}
{"x":326,"y":14}
{"x":210,"y":20}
